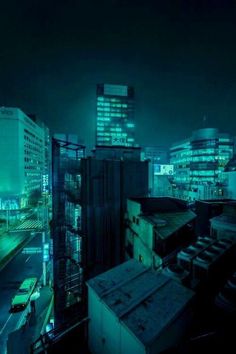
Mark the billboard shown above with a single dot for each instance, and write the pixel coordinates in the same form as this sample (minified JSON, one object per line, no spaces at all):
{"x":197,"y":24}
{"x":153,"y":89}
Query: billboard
{"x":160,"y":170}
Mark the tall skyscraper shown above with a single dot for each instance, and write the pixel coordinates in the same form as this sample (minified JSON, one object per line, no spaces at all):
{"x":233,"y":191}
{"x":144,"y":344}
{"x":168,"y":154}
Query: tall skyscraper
{"x":115,"y":115}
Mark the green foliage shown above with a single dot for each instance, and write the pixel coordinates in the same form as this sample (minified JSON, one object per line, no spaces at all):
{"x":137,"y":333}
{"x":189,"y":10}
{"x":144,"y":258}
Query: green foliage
{"x":34,"y":197}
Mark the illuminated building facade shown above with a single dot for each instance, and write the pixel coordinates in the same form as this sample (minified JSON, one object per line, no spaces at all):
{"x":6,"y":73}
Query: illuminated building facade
{"x":115,"y":115}
{"x":22,"y":156}
{"x":199,"y":162}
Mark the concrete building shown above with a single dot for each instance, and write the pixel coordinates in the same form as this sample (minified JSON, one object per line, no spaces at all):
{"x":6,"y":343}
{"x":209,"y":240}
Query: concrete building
{"x":115,"y":115}
{"x":22,"y":156}
{"x":224,"y":225}
{"x":206,"y":210}
{"x":156,"y":228}
{"x":161,"y":172}
{"x":199,"y":162}
{"x":133,"y":309}
{"x":109,"y":178}
{"x":156,"y":154}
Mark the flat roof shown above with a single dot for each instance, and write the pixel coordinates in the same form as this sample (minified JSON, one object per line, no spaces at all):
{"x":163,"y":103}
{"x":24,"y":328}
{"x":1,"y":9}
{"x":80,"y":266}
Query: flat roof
{"x":224,"y":219}
{"x":168,"y":223}
{"x":160,"y":204}
{"x":144,"y":301}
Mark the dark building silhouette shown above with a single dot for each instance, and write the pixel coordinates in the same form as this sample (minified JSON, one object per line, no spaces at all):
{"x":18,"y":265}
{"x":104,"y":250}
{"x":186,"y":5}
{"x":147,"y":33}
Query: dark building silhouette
{"x":108,"y":178}
{"x":206,"y":210}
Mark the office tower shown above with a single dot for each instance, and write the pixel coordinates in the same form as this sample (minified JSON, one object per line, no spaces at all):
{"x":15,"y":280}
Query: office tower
{"x":199,"y":162}
{"x":115,"y":115}
{"x":22,"y":157}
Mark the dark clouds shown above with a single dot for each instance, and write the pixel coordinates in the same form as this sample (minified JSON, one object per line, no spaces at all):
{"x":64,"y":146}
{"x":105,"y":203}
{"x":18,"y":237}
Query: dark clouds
{"x":179,"y":55}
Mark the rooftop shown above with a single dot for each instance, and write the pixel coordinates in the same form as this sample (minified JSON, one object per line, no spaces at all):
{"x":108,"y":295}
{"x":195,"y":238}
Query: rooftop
{"x":161,"y":204}
{"x":225,"y":219}
{"x":146,"y":302}
{"x":168,"y":223}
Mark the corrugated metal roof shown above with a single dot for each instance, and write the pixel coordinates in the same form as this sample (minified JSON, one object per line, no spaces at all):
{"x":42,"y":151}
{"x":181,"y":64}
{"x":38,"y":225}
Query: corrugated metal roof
{"x":144,"y":301}
{"x":171,"y":221}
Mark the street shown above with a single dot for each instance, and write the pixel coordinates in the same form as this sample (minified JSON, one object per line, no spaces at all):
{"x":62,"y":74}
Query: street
{"x":22,"y":266}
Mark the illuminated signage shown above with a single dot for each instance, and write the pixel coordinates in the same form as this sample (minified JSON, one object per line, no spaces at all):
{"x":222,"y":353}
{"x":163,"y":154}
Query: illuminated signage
{"x":115,"y":90}
{"x":160,"y":170}
{"x":118,"y":140}
{"x":46,"y":252}
{"x":45,"y":183}
{"x":9,"y":204}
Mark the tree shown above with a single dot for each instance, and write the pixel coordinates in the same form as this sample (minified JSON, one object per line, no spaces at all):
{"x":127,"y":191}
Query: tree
{"x":34,"y":197}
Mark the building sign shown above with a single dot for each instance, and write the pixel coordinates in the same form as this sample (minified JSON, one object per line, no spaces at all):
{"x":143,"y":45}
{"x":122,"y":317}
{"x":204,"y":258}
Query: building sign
{"x":115,"y":90}
{"x":160,"y":170}
{"x":46,"y":252}
{"x":9,"y":204}
{"x":118,"y":140}
{"x":45,"y":183}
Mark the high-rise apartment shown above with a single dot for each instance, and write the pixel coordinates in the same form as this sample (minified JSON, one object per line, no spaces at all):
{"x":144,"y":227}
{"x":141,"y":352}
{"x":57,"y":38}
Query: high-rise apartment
{"x":115,"y":115}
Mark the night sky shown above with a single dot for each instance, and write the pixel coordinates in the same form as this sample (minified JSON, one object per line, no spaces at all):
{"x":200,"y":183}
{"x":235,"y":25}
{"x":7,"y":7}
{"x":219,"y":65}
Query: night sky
{"x":179,"y":55}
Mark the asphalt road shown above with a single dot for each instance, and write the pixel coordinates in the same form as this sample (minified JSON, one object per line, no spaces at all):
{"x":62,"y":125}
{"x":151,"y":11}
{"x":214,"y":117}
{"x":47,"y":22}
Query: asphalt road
{"x":19,"y":268}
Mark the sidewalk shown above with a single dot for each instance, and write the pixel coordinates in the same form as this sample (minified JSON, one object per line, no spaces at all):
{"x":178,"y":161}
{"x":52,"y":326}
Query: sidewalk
{"x":32,"y":325}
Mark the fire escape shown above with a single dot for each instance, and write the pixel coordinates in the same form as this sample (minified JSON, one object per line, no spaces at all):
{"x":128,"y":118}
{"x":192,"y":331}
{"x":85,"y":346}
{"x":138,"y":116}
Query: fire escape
{"x":67,"y":240}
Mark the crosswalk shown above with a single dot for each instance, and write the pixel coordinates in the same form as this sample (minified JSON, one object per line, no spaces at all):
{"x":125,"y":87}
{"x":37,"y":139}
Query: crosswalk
{"x":29,"y":225}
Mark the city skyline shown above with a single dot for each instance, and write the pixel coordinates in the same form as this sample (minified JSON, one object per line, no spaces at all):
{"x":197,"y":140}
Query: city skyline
{"x":179,"y":59}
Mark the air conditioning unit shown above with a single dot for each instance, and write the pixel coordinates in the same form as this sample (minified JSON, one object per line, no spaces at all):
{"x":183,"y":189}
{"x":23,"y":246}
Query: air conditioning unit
{"x":205,"y":240}
{"x":176,"y":272}
{"x":185,"y":257}
{"x":206,"y":264}
{"x":232,"y":281}
{"x":226,"y":298}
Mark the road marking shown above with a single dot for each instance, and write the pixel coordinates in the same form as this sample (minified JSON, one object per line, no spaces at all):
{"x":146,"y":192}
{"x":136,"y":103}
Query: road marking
{"x":5,"y":324}
{"x":27,"y":259}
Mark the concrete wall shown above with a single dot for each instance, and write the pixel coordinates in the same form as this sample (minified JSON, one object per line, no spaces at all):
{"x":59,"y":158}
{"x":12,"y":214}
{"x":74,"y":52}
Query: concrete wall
{"x":143,"y":240}
{"x":106,"y":334}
